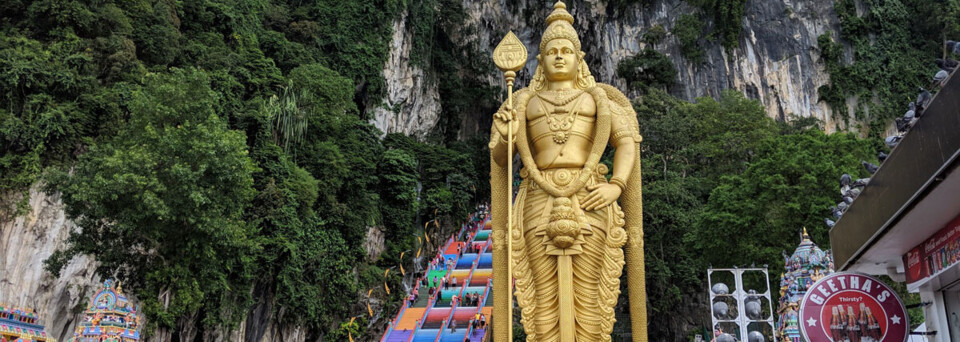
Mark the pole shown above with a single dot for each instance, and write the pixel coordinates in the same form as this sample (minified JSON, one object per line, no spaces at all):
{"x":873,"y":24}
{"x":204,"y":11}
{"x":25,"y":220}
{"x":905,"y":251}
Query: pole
{"x":510,"y":56}
{"x":510,"y":75}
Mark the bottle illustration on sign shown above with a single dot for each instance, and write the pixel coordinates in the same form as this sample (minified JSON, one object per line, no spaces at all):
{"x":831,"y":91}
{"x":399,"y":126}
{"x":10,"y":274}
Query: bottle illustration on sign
{"x":836,"y":325}
{"x":873,"y":327}
{"x":851,"y":324}
{"x":862,"y":322}
{"x":853,"y":329}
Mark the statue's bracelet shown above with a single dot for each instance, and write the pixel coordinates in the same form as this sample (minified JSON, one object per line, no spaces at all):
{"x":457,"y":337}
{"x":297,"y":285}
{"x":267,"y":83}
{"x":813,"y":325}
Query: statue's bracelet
{"x":618,"y":182}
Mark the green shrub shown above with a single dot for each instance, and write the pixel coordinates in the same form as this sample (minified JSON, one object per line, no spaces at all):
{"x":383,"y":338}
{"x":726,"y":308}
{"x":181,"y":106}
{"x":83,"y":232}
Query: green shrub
{"x":655,"y":35}
{"x":648,"y":68}
{"x":688,"y":29}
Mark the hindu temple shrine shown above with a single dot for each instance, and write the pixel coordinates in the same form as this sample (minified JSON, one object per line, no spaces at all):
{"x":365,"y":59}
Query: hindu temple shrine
{"x":109,"y":317}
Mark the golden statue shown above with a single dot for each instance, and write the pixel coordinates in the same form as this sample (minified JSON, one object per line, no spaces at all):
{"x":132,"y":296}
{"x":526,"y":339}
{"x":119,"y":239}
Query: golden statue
{"x":568,"y":234}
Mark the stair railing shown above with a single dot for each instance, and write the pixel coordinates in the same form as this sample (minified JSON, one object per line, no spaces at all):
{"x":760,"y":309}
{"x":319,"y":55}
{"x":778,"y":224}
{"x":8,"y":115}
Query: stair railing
{"x":443,"y":325}
{"x":396,"y":320}
{"x":416,"y":328}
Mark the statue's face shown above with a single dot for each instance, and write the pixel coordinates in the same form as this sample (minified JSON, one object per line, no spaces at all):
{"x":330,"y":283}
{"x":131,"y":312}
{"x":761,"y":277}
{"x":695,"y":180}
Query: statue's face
{"x":560,"y":60}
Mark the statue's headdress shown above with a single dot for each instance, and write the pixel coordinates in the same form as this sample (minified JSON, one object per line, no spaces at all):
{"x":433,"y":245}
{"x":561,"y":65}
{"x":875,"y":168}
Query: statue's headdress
{"x":560,"y":26}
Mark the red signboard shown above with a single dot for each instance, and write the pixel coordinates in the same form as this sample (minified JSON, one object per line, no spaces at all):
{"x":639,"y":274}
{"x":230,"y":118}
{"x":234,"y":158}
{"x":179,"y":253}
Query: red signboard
{"x":853,"y":307}
{"x":937,"y":253}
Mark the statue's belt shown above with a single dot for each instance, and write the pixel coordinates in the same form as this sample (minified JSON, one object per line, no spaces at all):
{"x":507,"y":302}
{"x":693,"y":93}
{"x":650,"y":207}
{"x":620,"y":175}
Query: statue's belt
{"x":563,"y":177}
{"x":559,"y":177}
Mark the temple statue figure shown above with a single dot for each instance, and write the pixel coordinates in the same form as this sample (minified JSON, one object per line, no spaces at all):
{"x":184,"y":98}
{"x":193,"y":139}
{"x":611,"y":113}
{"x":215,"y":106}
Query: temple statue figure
{"x":570,"y":236}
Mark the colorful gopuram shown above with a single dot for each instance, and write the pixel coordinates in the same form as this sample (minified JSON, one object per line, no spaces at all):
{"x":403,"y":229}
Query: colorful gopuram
{"x":109,"y":318}
{"x":21,"y":325}
{"x":805,"y":266}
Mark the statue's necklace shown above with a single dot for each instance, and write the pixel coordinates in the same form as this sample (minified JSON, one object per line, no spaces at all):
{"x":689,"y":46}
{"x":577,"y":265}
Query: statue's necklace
{"x":560,"y":97}
{"x":560,"y":120}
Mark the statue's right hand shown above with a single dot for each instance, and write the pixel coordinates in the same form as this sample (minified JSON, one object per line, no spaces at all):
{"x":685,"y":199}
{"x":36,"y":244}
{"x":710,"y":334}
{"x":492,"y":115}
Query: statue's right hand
{"x":504,"y":119}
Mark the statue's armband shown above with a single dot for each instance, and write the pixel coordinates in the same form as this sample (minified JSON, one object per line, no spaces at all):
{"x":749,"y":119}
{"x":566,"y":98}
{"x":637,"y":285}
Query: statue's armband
{"x":624,"y":125}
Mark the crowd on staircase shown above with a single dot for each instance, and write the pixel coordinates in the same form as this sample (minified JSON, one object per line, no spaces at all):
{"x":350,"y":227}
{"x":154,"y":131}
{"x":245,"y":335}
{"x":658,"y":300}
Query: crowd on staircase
{"x":458,"y":287}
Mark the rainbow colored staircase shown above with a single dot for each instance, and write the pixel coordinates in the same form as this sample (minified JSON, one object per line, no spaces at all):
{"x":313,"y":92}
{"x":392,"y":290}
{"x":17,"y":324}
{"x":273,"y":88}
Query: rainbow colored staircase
{"x":426,"y":320}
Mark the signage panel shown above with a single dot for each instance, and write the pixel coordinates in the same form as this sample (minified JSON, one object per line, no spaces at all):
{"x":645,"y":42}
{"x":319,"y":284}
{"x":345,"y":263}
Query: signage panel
{"x":854,"y":307}
{"x":937,"y":253}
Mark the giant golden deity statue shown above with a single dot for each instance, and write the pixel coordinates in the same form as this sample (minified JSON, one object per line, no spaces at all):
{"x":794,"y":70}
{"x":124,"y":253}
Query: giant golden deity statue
{"x":567,"y":233}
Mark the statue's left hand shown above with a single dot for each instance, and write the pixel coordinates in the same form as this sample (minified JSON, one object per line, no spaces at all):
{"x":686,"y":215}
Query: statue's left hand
{"x":601,"y":195}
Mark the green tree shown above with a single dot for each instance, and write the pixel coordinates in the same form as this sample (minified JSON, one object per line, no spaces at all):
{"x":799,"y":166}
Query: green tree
{"x":161,"y":204}
{"x":398,"y":200}
{"x":655,"y":35}
{"x":340,"y":150}
{"x":49,"y":106}
{"x":793,"y":181}
{"x":727,"y":18}
{"x":648,"y":68}
{"x":398,"y":188}
{"x":687,"y":147}
{"x":688,"y":30}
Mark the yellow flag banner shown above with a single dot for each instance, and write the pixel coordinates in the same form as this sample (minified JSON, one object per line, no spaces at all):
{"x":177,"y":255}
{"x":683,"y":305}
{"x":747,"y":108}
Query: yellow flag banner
{"x":402,"y":272}
{"x":426,"y":236}
{"x":369,"y":310}
{"x":349,"y":334}
{"x":385,"y":287}
{"x":418,"y":252}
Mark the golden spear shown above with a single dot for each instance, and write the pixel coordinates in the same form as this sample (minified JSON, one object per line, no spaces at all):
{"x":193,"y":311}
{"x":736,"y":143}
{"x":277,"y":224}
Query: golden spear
{"x":510,"y":56}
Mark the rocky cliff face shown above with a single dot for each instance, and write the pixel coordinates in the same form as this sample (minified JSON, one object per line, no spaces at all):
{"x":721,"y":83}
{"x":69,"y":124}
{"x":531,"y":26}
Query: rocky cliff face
{"x":25,"y":242}
{"x":776,"y":62}
{"x":411,"y":106}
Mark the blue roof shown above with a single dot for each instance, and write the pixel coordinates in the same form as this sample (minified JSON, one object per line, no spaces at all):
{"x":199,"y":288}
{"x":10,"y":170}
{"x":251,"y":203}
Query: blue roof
{"x":16,"y":323}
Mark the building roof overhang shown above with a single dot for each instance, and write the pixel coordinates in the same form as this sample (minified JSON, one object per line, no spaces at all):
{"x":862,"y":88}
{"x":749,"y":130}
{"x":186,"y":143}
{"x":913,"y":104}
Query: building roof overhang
{"x":914,"y":194}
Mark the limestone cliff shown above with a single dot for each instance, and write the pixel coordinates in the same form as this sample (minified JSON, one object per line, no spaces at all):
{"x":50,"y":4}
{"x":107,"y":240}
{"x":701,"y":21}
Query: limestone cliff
{"x":25,"y":242}
{"x":411,"y":105}
{"x":775,"y":62}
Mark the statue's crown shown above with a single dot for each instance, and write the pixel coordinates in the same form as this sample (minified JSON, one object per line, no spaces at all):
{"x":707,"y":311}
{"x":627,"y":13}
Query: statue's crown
{"x":560,"y":26}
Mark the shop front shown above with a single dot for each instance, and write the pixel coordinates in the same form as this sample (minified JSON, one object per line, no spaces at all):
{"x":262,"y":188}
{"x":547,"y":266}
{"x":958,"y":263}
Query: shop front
{"x":906,"y":222}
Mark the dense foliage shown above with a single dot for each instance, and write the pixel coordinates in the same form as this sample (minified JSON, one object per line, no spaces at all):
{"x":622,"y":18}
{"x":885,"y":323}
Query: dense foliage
{"x":215,"y":154}
{"x":893,"y":46}
{"x":648,"y":68}
{"x":725,"y":19}
{"x":166,"y":196}
{"x":688,"y":29}
{"x":725,"y":185}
